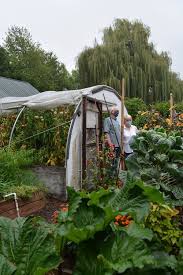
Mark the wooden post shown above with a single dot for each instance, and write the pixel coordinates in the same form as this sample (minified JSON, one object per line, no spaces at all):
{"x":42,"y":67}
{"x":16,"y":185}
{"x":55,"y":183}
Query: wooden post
{"x":122,"y":122}
{"x":171,"y":108}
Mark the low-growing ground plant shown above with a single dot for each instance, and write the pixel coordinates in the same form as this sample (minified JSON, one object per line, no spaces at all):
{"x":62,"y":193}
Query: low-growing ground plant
{"x":15,"y":174}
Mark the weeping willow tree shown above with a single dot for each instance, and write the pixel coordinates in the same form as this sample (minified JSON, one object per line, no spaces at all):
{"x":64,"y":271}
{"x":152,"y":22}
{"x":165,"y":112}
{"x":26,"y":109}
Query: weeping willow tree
{"x":126,"y":52}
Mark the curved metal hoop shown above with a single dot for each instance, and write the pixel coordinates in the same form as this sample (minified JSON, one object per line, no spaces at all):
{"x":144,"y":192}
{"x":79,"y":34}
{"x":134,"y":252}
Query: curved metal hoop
{"x":14,"y":125}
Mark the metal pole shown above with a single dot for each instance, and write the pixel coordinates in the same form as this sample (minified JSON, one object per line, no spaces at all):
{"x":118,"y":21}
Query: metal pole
{"x":13,"y":128}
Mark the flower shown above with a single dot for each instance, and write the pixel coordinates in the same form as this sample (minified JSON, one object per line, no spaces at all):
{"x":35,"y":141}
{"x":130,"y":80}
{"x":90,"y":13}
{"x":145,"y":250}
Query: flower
{"x":145,"y":127}
{"x":64,"y":209}
{"x":122,"y":220}
{"x":168,"y":121}
{"x":55,"y":216}
{"x":118,"y":217}
{"x":111,"y":155}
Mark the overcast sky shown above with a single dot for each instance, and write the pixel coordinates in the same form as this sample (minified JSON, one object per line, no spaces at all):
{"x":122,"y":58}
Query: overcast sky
{"x":67,"y":26}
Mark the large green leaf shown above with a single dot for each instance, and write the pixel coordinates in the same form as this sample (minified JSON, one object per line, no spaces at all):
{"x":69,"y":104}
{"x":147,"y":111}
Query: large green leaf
{"x":160,"y":158}
{"x":175,"y":170}
{"x":132,"y":165}
{"x":176,"y":155}
{"x":6,"y":267}
{"x":131,"y":200}
{"x":163,"y":145}
{"x":122,"y":253}
{"x":163,"y":259}
{"x":138,"y":231}
{"x":74,"y":200}
{"x":86,"y":221}
{"x":151,"y":192}
{"x":101,"y":197}
{"x":28,"y":246}
{"x":87,"y":262}
{"x":177,"y":191}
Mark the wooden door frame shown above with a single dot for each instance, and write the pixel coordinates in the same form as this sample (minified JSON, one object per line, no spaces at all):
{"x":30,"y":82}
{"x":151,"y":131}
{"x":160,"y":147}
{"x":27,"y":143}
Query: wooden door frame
{"x":98,"y":103}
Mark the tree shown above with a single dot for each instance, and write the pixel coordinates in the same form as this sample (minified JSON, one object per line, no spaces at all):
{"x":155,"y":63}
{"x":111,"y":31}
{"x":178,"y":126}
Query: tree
{"x":126,"y":52}
{"x":29,"y":62}
{"x":4,"y":62}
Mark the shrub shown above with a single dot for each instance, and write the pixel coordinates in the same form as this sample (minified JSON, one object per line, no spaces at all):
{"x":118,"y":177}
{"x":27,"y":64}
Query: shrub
{"x":163,"y":108}
{"x":179,"y":107}
{"x":134,"y":105}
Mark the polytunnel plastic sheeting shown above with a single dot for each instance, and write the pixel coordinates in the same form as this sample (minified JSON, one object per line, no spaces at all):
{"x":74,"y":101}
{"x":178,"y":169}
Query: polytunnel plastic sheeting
{"x":44,"y":100}
{"x":49,"y":99}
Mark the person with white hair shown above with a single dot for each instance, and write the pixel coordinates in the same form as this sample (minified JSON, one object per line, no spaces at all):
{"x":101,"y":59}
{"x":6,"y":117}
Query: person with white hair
{"x":130,"y":131}
{"x":112,"y":128}
{"x":112,"y":133}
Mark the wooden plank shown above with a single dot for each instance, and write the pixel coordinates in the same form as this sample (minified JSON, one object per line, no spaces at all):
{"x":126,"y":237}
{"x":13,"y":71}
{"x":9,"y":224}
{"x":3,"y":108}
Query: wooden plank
{"x":32,"y":207}
{"x":25,"y":210}
{"x":10,"y":204}
{"x":37,"y":202}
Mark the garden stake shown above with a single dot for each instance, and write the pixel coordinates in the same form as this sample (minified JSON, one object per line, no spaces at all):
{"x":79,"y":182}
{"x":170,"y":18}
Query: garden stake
{"x":171,"y":108}
{"x":122,"y":122}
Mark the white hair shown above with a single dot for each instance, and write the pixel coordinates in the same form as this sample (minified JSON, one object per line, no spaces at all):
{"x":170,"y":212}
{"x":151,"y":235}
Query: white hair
{"x":113,"y":108}
{"x":127,"y":117}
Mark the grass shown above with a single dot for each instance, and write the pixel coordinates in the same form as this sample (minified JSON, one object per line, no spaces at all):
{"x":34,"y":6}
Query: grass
{"x":15,"y":175}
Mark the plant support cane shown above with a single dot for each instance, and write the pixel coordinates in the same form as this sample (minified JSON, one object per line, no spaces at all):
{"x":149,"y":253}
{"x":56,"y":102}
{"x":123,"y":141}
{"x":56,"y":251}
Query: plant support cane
{"x":171,"y":109}
{"x":122,"y":82}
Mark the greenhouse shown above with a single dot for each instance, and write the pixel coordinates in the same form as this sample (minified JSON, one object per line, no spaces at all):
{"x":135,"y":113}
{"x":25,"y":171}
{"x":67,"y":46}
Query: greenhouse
{"x":84,"y":136}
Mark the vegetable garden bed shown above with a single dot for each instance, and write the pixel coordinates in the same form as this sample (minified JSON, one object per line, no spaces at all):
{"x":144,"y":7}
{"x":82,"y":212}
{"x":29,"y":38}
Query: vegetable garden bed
{"x":26,"y":206}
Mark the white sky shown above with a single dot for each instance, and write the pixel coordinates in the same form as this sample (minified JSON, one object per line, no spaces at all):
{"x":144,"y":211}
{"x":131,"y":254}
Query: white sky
{"x":67,"y":26}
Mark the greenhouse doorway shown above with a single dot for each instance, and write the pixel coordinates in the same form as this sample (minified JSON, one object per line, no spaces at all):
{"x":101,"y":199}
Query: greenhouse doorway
{"x":92,"y":126}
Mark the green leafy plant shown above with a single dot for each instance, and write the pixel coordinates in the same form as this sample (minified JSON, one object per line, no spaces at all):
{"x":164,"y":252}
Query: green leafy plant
{"x":84,"y":218}
{"x":118,"y":253}
{"x":134,"y":105}
{"x":90,"y":223}
{"x":157,"y":160}
{"x":162,"y":220}
{"x":26,"y":247}
{"x":163,"y":108}
{"x":49,"y":146}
